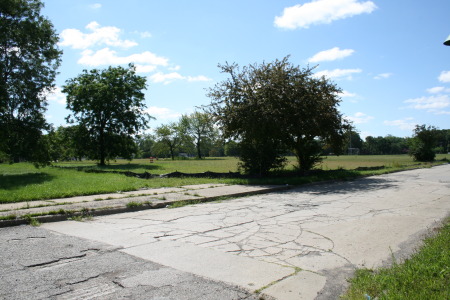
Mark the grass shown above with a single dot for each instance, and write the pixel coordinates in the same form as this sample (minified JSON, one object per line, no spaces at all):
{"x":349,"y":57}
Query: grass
{"x":183,"y":203}
{"x":426,"y":275}
{"x":23,"y":182}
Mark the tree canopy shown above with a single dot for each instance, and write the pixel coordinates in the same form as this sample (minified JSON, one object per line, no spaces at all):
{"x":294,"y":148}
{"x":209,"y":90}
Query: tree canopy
{"x":271,"y":108}
{"x":169,"y":137}
{"x":110,"y":104}
{"x":423,"y":143}
{"x":29,"y":58}
{"x":199,"y":126}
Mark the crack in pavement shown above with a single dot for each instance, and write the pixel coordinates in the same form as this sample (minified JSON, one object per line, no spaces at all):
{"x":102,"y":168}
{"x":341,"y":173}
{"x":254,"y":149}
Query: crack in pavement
{"x":56,"y":261}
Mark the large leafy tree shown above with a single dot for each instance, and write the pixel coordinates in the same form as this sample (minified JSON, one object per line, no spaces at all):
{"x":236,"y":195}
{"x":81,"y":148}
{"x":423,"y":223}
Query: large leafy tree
{"x":169,"y":138}
{"x":29,"y":58}
{"x":110,"y":104}
{"x":423,"y":143}
{"x":199,"y":126}
{"x":274,"y":107}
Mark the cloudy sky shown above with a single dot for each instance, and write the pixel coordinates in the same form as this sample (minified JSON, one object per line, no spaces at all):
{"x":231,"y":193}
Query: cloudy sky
{"x":387,"y":56}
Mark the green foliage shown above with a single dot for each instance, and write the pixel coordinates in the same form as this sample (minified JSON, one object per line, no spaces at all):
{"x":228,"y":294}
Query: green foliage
{"x":423,"y":142}
{"x":145,"y":145}
{"x":274,"y":107}
{"x":29,"y":57}
{"x":22,"y":182}
{"x":385,"y":145}
{"x":169,"y":137}
{"x":199,"y":127}
{"x":134,"y":204}
{"x":260,"y":155}
{"x":426,"y":275}
{"x":110,"y":105}
{"x":231,"y":148}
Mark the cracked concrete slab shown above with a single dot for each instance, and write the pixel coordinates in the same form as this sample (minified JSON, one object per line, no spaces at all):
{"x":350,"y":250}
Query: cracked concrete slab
{"x":288,"y":243}
{"x":39,"y":264}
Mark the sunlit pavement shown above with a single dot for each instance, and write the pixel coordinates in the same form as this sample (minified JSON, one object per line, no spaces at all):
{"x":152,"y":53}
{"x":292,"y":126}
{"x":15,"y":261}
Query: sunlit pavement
{"x":296,"y":244}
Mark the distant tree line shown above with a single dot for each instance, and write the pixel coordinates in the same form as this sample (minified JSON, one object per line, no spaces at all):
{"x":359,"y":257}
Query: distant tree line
{"x":438,"y":141}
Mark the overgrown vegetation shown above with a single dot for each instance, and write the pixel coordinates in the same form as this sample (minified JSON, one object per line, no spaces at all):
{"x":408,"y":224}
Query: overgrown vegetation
{"x":23,"y":182}
{"x":426,"y":275}
{"x":272,"y":108}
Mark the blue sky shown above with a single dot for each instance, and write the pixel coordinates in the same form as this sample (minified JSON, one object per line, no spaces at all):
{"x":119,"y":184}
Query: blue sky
{"x":387,"y":56}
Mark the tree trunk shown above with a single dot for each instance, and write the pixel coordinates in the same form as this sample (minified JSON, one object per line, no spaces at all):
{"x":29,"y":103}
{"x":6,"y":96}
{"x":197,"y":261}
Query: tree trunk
{"x":102,"y":149}
{"x":199,"y":153}
{"x":172,"y":153}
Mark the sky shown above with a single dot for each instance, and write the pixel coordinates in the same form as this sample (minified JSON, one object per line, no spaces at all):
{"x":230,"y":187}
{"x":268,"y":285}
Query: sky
{"x":387,"y":56}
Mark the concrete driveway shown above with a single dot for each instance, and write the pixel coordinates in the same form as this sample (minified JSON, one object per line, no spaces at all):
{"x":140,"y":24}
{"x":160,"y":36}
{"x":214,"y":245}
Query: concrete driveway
{"x":297,"y":244}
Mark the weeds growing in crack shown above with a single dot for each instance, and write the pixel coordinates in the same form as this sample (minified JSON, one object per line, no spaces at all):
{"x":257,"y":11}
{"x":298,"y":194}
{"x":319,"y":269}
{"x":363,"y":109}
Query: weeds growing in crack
{"x":8,"y":217}
{"x":134,"y":204}
{"x":32,"y":221}
{"x":183,"y":203}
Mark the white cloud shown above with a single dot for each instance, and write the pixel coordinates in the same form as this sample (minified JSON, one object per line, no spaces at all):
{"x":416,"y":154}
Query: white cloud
{"x":145,"y":34}
{"x":331,"y":54}
{"x":170,"y":77}
{"x":432,"y":104}
{"x":107,"y":35}
{"x":383,"y":76}
{"x":197,"y":78}
{"x":436,"y":90}
{"x":404,"y":124}
{"x":359,"y":118}
{"x":338,"y":73}
{"x":145,"y":68}
{"x":346,"y":94}
{"x":106,"y":56}
{"x":57,"y":96}
{"x":95,"y":6}
{"x":162,"y":113}
{"x":442,"y":112}
{"x":445,"y":76}
{"x":175,"y":68}
{"x":321,"y":12}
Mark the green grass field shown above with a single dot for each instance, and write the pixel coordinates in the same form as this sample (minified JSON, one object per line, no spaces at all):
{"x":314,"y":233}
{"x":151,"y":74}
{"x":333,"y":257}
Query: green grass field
{"x":23,"y":182}
{"x":426,"y":275}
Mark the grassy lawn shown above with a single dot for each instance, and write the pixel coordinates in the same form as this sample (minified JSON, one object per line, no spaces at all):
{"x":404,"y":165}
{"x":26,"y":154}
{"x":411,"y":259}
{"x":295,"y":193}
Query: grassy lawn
{"x":23,"y":182}
{"x":426,"y":275}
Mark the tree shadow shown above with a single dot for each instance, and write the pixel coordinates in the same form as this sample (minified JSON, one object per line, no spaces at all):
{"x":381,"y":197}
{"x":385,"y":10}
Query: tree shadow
{"x":330,"y":181}
{"x":113,"y":167}
{"x":364,"y":184}
{"x":129,"y":167}
{"x":11,"y":182}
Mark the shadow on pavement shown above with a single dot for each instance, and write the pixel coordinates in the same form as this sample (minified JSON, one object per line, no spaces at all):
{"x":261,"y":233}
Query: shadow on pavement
{"x":344,"y":187}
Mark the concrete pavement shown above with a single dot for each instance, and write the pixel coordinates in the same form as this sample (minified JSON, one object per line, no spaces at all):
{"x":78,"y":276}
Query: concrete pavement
{"x":301,"y":243}
{"x":296,"y":244}
{"x":104,"y":204}
{"x":39,"y":264}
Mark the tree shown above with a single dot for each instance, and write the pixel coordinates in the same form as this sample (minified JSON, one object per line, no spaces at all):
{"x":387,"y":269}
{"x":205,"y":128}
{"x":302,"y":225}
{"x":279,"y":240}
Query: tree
{"x":29,"y":58}
{"x":110,"y":104}
{"x":145,"y":144}
{"x":423,"y":143}
{"x":200,"y":128}
{"x":231,"y":148}
{"x":274,"y":107}
{"x":170,"y":137}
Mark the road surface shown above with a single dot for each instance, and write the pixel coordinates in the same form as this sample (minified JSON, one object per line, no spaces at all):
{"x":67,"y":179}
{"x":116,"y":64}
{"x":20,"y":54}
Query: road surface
{"x":297,"y":244}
